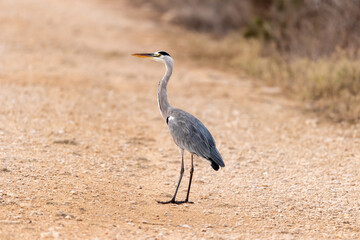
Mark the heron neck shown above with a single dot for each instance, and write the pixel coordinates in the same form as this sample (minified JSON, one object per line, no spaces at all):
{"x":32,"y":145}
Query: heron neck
{"x":162,"y":91}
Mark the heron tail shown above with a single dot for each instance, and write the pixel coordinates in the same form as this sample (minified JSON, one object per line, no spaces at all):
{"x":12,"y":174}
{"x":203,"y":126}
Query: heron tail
{"x":214,"y":166}
{"x":216,"y":159}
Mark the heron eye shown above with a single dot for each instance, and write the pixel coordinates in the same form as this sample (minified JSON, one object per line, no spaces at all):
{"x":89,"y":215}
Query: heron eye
{"x":157,"y":55}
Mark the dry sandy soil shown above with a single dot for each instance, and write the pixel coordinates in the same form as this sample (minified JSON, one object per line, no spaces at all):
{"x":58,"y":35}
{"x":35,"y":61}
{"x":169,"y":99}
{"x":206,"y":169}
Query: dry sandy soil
{"x":84,"y":153}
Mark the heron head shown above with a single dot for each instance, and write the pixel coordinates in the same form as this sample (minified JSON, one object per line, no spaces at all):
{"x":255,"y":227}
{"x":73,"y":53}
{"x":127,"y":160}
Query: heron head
{"x":159,"y":56}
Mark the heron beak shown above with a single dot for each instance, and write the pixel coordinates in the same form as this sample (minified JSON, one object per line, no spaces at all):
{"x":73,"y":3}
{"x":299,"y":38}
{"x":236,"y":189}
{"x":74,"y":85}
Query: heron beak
{"x":144,"y":55}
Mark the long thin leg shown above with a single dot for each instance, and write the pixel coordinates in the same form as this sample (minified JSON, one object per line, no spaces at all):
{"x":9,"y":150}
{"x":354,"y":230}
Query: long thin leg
{"x":181,"y":175}
{"x":191,"y":174}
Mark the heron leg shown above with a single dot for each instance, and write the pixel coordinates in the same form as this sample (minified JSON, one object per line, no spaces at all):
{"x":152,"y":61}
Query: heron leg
{"x":181,"y":175}
{"x":191,"y":174}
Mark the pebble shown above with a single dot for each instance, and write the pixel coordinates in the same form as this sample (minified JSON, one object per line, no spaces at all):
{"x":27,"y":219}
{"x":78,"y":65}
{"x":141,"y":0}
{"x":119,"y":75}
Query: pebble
{"x":65,"y":215}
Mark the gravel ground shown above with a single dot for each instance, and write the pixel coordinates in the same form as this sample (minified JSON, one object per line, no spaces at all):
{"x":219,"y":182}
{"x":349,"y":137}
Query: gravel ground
{"x":85,"y":154}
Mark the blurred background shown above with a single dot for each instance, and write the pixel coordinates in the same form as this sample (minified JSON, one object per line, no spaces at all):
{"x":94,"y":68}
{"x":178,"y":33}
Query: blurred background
{"x":307,"y":48}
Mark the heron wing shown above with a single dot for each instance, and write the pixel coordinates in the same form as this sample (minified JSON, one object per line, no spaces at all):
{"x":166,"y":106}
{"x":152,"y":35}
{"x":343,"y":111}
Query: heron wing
{"x":190,"y":134}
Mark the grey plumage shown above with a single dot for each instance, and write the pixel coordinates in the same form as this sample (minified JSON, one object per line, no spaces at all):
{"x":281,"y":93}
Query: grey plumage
{"x":187,"y":131}
{"x":190,"y":134}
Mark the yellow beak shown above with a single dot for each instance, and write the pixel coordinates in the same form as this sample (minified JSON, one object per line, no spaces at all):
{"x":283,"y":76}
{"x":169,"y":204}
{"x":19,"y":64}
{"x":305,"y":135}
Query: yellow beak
{"x":143,"y":55}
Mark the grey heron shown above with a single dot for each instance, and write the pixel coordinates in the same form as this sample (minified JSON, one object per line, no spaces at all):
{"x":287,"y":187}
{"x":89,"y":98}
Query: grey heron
{"x":187,"y":131}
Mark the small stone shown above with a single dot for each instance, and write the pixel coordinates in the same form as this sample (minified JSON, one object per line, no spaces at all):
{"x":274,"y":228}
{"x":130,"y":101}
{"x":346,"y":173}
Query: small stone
{"x":65,"y":215}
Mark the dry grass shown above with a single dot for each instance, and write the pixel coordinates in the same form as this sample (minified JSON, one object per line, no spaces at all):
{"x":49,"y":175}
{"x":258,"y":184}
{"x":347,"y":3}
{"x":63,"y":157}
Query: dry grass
{"x":328,"y":85}
{"x":308,"y":49}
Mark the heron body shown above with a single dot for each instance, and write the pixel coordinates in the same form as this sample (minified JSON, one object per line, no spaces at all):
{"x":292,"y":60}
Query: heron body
{"x":188,"y":132}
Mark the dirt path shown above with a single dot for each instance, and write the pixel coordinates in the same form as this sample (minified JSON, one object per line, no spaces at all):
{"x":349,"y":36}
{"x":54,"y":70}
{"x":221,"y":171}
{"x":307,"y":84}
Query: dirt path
{"x":85,"y":154}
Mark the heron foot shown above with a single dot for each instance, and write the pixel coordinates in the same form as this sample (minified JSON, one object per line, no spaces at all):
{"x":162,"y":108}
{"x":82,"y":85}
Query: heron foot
{"x":172,"y":201}
{"x":167,"y":202}
{"x":187,"y":201}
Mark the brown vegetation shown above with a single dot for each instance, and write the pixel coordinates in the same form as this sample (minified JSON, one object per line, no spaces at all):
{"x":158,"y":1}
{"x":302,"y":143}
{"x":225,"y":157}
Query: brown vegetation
{"x":309,"y":48}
